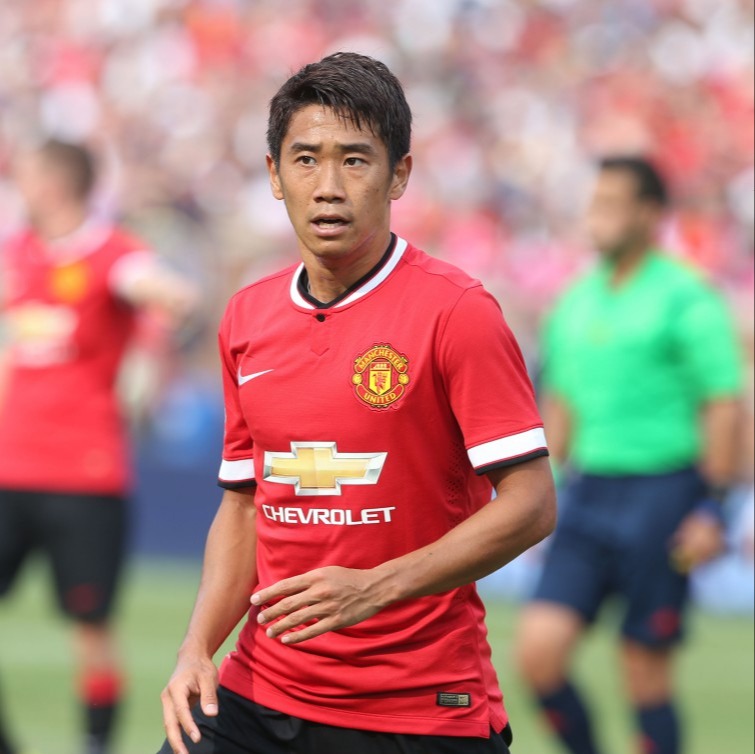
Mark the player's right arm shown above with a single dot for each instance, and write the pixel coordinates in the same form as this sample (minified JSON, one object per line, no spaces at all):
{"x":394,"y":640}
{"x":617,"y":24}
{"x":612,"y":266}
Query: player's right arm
{"x":228,"y":578}
{"x":557,"y":424}
{"x":554,"y":408}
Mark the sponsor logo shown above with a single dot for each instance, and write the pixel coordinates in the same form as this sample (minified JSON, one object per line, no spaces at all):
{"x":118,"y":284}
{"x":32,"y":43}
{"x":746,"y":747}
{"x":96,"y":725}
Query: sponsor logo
{"x":328,"y":516}
{"x":70,"y":283}
{"x":317,"y":468}
{"x":380,"y":376}
{"x":244,"y":378}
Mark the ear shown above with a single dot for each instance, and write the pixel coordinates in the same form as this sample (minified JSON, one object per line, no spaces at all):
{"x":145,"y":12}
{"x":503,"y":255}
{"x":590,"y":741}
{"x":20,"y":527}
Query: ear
{"x":400,"y":179}
{"x":275,"y":181}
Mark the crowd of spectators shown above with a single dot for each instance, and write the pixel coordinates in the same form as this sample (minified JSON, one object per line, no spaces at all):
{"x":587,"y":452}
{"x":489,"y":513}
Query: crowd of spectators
{"x":513,"y":100}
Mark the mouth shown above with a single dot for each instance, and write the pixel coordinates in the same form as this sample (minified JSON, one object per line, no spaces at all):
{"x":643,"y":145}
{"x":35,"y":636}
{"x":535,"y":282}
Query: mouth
{"x":329,"y":225}
{"x":329,"y":221}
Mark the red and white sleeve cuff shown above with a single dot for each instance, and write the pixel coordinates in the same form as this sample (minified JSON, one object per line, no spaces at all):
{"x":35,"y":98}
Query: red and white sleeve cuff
{"x":509,"y":450}
{"x":236,"y":473}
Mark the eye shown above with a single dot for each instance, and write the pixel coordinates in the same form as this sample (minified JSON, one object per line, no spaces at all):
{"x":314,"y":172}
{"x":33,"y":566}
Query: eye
{"x":355,"y":161}
{"x":306,"y":159}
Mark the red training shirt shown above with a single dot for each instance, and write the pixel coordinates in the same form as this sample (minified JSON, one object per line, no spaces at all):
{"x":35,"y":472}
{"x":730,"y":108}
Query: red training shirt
{"x":368,"y":427}
{"x":60,"y":423}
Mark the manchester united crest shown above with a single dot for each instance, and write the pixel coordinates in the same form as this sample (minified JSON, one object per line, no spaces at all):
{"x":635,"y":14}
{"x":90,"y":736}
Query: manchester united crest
{"x":380,"y":376}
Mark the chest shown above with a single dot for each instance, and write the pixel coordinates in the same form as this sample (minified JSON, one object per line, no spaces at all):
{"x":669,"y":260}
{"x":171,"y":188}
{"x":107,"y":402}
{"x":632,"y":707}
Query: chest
{"x":349,"y":371}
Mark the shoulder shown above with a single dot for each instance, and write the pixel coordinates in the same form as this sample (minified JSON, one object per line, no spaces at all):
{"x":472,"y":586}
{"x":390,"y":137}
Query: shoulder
{"x":577,"y":289}
{"x":268,"y":290}
{"x":121,"y":241}
{"x":683,"y":282}
{"x":437,"y":274}
{"x":16,"y":240}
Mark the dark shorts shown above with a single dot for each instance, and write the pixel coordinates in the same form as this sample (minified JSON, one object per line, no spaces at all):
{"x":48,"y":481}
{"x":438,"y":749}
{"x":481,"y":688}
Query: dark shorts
{"x":243,"y":727}
{"x":613,"y":539}
{"x":84,"y":538}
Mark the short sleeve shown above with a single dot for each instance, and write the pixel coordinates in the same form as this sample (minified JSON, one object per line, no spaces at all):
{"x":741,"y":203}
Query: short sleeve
{"x":237,"y":466}
{"x":706,"y":338}
{"x":488,"y":386}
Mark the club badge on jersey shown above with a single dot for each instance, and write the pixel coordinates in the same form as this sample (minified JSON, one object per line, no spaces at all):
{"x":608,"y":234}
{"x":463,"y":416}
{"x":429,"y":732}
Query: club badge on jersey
{"x":381,"y":376}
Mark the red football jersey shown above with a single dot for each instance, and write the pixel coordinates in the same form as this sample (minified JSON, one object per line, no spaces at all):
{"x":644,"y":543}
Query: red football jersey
{"x":367,"y":426}
{"x":60,"y":423}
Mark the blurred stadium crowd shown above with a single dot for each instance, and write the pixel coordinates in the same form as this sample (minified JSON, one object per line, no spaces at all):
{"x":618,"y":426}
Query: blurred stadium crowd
{"x":512,"y":101}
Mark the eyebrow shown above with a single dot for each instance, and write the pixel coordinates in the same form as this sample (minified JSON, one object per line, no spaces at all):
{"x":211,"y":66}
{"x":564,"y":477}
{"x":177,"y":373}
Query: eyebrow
{"x":358,"y":147}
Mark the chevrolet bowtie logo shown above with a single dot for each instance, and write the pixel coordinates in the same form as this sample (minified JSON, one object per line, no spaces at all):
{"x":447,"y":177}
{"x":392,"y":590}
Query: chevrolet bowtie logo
{"x":317,"y":468}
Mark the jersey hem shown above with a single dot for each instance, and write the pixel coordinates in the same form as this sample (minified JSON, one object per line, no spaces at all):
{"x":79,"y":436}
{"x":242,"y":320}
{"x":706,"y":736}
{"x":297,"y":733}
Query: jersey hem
{"x":362,"y":720}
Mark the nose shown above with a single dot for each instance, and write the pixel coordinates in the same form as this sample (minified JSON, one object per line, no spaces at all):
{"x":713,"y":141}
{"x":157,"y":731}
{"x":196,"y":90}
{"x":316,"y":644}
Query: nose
{"x":330,"y":188}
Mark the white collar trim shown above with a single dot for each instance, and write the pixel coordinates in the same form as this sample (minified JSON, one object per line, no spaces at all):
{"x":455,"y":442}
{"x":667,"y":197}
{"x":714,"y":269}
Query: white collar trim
{"x":368,"y":287}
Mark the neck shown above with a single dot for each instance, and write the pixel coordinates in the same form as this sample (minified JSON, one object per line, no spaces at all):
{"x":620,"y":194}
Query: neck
{"x":60,"y":222}
{"x":330,"y":277}
{"x":624,"y":265}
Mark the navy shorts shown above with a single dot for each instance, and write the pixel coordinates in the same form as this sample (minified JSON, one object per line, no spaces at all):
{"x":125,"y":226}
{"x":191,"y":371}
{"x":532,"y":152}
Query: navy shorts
{"x":613,"y":539}
{"x":82,"y":536}
{"x":243,"y":727}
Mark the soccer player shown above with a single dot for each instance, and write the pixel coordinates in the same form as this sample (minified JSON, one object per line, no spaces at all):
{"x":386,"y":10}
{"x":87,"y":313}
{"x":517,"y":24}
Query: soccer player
{"x":641,"y":384}
{"x":71,"y":289}
{"x":374,"y":398}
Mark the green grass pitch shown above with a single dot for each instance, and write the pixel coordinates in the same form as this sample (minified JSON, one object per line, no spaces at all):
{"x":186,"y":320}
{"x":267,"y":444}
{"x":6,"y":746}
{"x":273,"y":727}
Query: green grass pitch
{"x":715,"y":674}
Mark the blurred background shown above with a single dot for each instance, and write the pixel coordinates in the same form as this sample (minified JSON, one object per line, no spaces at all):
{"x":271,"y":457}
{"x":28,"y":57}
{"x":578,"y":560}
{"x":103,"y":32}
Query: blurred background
{"x":512,"y":99}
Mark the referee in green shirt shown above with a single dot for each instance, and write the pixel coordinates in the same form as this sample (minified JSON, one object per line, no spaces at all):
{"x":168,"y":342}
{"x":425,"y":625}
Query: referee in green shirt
{"x":642,"y":377}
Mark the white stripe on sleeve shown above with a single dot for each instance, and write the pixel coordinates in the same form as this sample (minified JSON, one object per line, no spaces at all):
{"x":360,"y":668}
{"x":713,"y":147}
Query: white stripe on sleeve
{"x":237,"y":471}
{"x":507,"y":448}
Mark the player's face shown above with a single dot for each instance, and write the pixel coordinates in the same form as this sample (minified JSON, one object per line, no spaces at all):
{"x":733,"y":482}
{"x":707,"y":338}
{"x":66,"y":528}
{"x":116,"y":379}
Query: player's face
{"x":618,"y":221}
{"x":337,"y":184}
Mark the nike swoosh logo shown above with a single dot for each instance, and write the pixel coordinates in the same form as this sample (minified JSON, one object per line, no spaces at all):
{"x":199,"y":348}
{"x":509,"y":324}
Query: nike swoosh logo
{"x":244,"y":378}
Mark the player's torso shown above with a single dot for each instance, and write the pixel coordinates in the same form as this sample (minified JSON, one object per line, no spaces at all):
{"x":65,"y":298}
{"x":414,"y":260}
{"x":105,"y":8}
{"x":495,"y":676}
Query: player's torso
{"x":355,"y":441}
{"x":59,"y":308}
{"x":67,"y":334}
{"x":626,"y":383}
{"x":359,"y":459}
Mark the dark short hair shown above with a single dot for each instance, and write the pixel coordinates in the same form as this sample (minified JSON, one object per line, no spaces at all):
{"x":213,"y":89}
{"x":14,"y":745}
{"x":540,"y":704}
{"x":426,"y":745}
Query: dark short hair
{"x":651,"y":186}
{"x":76,"y":160}
{"x":356,"y":87}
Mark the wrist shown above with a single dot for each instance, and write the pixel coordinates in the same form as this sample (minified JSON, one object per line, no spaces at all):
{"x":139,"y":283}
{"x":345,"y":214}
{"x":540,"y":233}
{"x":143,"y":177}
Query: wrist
{"x":711,"y":509}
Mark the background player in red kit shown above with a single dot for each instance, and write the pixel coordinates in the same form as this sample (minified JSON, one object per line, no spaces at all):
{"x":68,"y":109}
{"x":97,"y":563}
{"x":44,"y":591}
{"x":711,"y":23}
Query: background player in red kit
{"x":374,"y":398}
{"x":71,"y":286}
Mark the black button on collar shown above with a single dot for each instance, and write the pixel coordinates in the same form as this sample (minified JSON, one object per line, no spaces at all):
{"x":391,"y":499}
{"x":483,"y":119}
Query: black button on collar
{"x":320,"y":318}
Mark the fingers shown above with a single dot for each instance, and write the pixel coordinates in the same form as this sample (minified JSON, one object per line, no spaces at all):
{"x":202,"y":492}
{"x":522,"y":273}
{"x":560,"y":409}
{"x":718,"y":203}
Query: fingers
{"x":172,"y":722}
{"x":281,"y":589}
{"x":208,"y":696}
{"x":177,"y":700}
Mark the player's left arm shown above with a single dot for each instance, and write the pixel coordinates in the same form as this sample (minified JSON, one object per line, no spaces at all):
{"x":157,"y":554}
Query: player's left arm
{"x":711,"y":343}
{"x":523,"y":513}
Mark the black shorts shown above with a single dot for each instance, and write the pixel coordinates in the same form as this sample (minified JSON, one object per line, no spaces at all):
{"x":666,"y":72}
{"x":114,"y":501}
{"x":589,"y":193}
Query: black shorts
{"x":243,"y":727}
{"x":84,"y":537}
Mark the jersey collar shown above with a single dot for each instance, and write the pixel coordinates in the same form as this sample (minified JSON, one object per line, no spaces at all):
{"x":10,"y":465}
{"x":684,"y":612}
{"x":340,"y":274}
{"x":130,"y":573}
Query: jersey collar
{"x":80,"y":243}
{"x":366,"y":285}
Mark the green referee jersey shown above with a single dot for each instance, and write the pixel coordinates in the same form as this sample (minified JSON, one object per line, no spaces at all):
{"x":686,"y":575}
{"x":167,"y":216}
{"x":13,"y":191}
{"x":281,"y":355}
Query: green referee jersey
{"x":635,"y":364}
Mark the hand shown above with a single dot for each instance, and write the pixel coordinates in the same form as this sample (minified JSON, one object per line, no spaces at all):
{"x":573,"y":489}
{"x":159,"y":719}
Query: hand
{"x":322,"y":600}
{"x":699,"y":539}
{"x":194,"y":679}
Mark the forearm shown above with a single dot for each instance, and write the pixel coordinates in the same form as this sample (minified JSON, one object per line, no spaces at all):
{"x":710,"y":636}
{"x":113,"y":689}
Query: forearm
{"x":523,"y":514}
{"x":229,"y":574}
{"x":557,"y":423}
{"x":721,"y":422}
